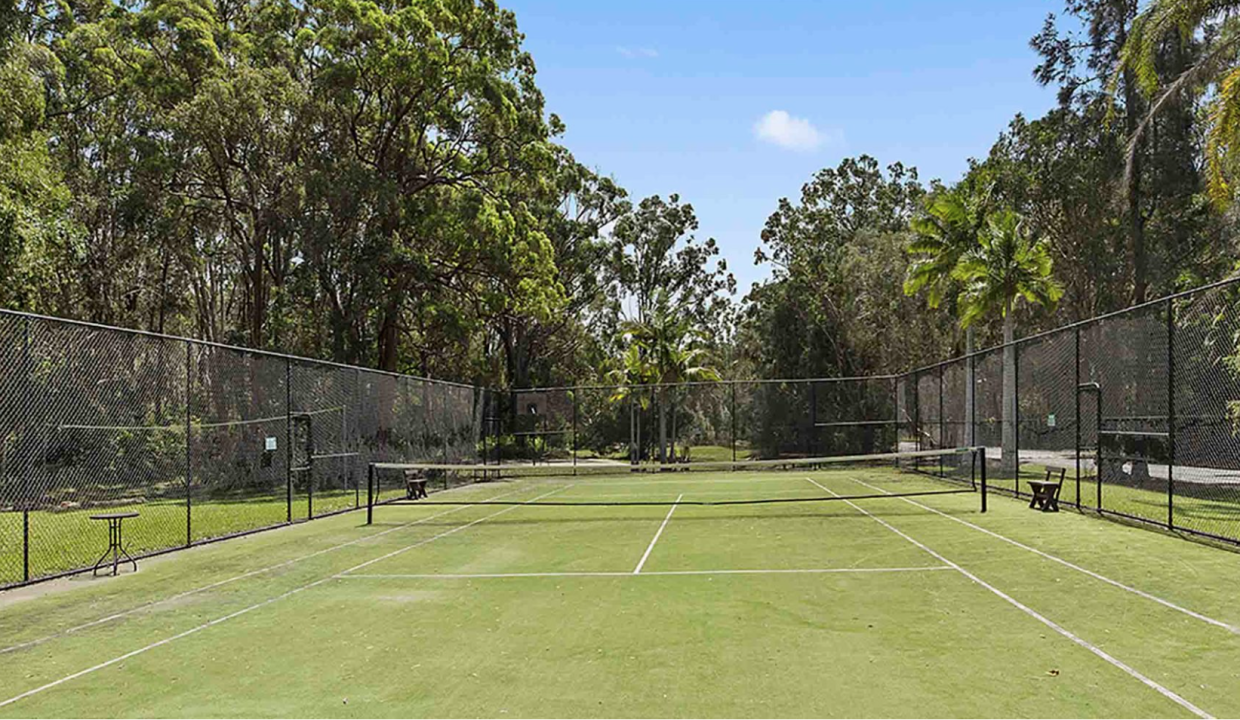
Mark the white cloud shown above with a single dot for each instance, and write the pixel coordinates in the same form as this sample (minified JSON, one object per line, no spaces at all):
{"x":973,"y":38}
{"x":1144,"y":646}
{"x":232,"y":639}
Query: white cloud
{"x":637,"y":52}
{"x":791,"y":133}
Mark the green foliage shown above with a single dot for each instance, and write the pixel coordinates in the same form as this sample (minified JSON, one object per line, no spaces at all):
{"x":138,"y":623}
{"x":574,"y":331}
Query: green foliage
{"x":654,"y":253}
{"x":947,"y":230}
{"x":1007,"y":265}
{"x":665,"y":348}
{"x":835,"y":305}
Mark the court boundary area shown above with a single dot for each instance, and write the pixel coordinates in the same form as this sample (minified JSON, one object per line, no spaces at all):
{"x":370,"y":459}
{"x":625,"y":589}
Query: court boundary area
{"x":1076,"y":639}
{"x":1068,"y":564}
{"x":256,"y":606}
{"x":353,"y":574}
{"x":242,"y":576}
{"x":648,"y":573}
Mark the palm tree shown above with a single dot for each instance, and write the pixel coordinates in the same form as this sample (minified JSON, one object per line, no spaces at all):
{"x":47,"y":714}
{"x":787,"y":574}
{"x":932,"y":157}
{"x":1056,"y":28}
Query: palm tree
{"x":663,"y":349}
{"x":950,"y":227}
{"x":1008,"y":265}
{"x":1215,"y":76}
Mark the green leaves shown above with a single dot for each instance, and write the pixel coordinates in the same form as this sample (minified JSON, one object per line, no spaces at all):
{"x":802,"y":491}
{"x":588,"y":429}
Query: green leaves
{"x":662,"y":349}
{"x":948,"y":228}
{"x":1008,"y":263}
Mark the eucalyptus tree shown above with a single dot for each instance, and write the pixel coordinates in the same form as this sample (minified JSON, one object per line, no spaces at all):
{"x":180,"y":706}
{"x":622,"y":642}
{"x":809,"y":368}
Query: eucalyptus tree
{"x":1157,"y":192}
{"x":572,"y":207}
{"x":654,"y":253}
{"x":813,"y":318}
{"x":419,"y":101}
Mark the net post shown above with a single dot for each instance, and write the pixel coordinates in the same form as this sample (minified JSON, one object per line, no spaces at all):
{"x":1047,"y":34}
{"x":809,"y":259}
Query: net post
{"x":370,"y":493}
{"x":980,"y":454}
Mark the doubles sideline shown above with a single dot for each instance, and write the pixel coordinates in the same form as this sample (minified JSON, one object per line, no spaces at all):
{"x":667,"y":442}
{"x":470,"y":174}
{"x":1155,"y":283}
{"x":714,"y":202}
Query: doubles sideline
{"x":220,"y":583}
{"x":1068,"y":564}
{"x":264,"y":603}
{"x":1116,"y":662}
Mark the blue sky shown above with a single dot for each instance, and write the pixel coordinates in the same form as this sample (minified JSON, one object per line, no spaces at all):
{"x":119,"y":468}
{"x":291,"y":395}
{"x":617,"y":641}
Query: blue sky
{"x":734,"y":105}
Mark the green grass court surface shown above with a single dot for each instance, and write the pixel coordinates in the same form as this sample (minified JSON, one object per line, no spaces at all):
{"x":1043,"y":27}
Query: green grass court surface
{"x":918,"y":607}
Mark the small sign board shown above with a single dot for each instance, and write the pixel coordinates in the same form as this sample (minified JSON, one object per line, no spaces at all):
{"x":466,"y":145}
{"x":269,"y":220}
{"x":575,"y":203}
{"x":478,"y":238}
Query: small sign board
{"x":1050,"y":420}
{"x":270,"y":445}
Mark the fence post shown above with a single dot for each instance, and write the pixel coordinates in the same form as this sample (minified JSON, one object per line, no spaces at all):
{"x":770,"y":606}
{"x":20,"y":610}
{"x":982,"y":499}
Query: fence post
{"x":916,"y":409}
{"x":1170,"y":414}
{"x":1016,"y":418}
{"x":1076,"y":395}
{"x":575,"y":392}
{"x":942,"y":424}
{"x":812,"y":431}
{"x":189,"y":451}
{"x":288,"y":439}
{"x":970,"y":409}
{"x":895,"y":396}
{"x":733,"y":386}
{"x":27,"y":491}
{"x":356,"y":446}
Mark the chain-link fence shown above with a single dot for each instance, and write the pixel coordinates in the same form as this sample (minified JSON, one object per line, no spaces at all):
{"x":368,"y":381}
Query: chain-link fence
{"x":699,"y":421}
{"x":1137,"y":411}
{"x":204,"y":441}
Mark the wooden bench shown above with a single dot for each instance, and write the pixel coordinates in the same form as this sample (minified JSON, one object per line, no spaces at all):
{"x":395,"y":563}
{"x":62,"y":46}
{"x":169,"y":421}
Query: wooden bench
{"x":415,"y":485}
{"x":1046,"y":492}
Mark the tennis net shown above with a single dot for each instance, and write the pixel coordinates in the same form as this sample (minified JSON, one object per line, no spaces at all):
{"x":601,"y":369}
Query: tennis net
{"x":706,"y":483}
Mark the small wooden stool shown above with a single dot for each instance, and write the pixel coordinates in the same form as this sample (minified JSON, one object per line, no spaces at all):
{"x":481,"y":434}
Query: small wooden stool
{"x":1046,"y":492}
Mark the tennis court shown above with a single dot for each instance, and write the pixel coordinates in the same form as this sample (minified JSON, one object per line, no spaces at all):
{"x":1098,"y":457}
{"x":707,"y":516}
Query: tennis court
{"x":650,"y":594}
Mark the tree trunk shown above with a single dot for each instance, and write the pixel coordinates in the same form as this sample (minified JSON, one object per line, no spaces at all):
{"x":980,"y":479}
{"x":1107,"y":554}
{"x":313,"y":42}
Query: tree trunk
{"x":1132,"y":113}
{"x":662,"y":425}
{"x":389,"y":336}
{"x":1009,"y":464}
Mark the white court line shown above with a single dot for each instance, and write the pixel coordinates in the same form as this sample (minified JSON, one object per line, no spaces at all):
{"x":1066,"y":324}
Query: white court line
{"x":655,"y":539}
{"x":235,"y":578}
{"x":683,"y":479}
{"x":1128,"y":588}
{"x":655,"y":573}
{"x":1165,"y":692}
{"x":695,"y":493}
{"x":256,"y":606}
